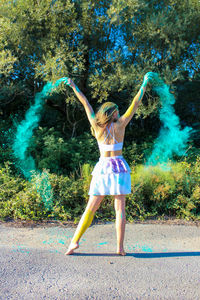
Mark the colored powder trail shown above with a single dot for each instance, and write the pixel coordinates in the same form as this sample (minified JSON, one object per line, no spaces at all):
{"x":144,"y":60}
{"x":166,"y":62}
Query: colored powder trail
{"x":24,"y":160}
{"x":43,"y":186}
{"x":172,"y":140}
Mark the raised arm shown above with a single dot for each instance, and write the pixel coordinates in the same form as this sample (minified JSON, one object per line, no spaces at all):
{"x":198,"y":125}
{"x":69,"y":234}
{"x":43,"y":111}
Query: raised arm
{"x":125,"y":118}
{"x":88,"y":108}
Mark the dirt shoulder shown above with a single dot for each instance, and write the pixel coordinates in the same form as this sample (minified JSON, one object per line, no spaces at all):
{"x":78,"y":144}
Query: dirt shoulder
{"x":57,"y":223}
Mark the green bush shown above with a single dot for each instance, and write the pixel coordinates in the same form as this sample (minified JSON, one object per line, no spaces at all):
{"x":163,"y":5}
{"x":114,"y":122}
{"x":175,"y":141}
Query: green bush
{"x":10,"y":186}
{"x":28,"y":205}
{"x":63,"y":156}
{"x":172,"y":191}
{"x":68,"y":197}
{"x":19,"y":199}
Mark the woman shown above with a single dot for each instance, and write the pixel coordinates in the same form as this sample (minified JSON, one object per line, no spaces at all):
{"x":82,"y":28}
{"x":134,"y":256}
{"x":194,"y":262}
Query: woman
{"x":111,"y":175}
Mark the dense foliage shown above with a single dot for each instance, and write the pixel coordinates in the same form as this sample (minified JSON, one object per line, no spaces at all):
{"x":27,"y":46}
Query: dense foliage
{"x":156,"y":192}
{"x":106,"y":47}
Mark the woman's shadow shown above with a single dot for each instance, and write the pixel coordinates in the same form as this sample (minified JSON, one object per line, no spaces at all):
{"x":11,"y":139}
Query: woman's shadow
{"x":144,"y":254}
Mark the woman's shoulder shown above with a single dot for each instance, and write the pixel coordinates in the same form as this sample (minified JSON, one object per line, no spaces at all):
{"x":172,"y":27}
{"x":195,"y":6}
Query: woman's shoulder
{"x":118,"y":125}
{"x":99,"y":131}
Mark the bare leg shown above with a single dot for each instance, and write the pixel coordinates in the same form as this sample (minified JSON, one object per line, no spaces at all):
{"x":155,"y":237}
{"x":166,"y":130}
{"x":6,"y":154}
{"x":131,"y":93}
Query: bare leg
{"x":85,"y":221}
{"x":120,"y":223}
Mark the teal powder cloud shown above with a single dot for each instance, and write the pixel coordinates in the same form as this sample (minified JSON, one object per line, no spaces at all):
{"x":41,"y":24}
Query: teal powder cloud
{"x":24,"y":133}
{"x":172,"y":140}
{"x":24,"y":160}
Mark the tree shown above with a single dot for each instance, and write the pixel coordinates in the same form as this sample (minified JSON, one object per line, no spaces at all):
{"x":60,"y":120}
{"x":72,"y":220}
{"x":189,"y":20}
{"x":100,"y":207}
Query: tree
{"x":105,"y":46}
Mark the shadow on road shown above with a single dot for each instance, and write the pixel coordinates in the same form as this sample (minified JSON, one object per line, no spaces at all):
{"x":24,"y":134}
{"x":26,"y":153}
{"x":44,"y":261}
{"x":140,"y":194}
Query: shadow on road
{"x":164,"y":254}
{"x":144,"y":255}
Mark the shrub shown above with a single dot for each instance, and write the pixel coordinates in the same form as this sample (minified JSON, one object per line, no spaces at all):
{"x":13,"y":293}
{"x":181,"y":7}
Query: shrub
{"x":63,"y":156}
{"x":172,"y":191}
{"x":10,"y":186}
{"x":69,"y":200}
{"x":28,"y":205}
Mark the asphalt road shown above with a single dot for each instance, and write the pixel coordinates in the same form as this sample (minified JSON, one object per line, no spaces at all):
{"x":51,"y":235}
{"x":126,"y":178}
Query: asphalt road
{"x":162,"y":262}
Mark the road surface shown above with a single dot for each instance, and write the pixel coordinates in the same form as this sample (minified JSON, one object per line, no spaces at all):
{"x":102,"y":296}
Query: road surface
{"x":162,"y":262}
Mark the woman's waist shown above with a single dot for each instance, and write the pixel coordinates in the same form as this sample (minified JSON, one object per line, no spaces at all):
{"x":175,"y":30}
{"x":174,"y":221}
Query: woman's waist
{"x":108,"y":154}
{"x":111,"y":157}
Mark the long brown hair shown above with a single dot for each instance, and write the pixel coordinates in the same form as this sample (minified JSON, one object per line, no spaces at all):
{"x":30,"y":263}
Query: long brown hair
{"x":104,"y":114}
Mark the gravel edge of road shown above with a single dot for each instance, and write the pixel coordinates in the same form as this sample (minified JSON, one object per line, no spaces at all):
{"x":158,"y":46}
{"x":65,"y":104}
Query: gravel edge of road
{"x":52,"y":223}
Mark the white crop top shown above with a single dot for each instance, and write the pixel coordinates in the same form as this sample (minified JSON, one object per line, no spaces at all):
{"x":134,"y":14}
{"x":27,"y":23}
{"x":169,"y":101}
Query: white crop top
{"x":110,"y":147}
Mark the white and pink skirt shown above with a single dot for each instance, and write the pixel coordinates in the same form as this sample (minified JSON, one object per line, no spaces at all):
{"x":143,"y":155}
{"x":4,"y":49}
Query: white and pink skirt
{"x":111,"y":176}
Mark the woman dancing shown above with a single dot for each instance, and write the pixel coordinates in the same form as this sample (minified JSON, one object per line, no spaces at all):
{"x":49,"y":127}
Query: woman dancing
{"x":111,"y":175}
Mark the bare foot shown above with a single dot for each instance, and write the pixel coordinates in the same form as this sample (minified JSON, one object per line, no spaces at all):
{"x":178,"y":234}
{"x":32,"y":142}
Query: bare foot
{"x":121,"y":252}
{"x":71,"y":248}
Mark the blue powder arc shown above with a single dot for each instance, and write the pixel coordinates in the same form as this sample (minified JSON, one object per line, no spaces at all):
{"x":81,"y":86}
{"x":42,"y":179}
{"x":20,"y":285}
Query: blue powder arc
{"x":172,"y":140}
{"x":24,"y":160}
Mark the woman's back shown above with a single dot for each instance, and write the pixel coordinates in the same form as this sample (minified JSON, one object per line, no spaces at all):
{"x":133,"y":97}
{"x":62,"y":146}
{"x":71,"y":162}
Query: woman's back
{"x":110,"y":139}
{"x":116,"y":130}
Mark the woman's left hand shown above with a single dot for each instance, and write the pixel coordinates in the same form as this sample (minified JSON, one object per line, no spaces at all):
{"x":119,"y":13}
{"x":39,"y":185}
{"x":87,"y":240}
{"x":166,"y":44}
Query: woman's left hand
{"x":68,"y":81}
{"x":148,"y":77}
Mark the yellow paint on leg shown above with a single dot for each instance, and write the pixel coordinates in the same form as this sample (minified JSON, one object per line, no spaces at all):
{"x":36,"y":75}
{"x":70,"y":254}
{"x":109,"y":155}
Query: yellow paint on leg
{"x":84,"y":223}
